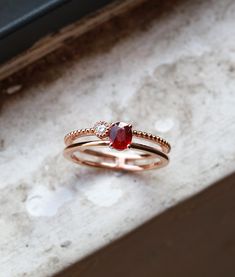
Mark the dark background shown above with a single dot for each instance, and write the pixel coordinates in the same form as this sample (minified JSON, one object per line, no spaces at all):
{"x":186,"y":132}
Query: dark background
{"x":24,"y":22}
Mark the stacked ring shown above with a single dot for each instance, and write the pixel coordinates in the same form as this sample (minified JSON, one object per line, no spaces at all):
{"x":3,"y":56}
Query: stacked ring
{"x":114,"y":147}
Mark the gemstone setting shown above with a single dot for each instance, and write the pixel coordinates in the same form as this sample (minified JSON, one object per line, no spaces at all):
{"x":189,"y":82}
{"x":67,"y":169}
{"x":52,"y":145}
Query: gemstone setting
{"x":101,"y":129}
{"x":120,"y":135}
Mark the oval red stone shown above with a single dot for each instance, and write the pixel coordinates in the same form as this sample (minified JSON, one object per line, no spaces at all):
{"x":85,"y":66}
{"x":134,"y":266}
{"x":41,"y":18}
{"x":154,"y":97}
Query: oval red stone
{"x":120,"y":135}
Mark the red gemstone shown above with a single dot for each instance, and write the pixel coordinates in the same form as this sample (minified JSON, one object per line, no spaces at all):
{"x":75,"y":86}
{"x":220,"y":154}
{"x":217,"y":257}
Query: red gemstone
{"x":120,"y":135}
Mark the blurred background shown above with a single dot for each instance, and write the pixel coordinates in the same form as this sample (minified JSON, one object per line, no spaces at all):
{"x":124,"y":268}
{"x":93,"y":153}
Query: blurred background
{"x":168,"y":67}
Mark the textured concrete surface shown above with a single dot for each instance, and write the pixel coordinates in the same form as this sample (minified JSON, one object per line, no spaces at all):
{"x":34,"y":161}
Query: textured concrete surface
{"x":193,"y":238}
{"x":168,"y":69}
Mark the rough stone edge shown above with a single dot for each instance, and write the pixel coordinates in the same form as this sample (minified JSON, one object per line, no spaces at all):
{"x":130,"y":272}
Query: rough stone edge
{"x":53,"y":42}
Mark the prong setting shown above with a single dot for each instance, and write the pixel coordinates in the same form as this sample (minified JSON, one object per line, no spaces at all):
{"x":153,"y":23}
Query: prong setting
{"x":120,"y":135}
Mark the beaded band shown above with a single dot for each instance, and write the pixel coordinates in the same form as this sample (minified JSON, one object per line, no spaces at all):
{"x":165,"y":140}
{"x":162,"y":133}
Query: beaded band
{"x":74,"y":135}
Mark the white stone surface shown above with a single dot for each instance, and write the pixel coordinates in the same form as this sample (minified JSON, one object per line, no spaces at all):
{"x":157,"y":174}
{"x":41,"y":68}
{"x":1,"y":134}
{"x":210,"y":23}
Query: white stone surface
{"x":175,"y":78}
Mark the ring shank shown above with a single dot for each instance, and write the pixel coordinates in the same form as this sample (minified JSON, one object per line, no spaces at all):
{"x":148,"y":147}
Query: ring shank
{"x":145,"y":157}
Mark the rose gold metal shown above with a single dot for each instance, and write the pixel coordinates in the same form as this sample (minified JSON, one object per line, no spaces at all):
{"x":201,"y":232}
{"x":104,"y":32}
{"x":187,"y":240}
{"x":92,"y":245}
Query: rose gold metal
{"x":145,"y":156}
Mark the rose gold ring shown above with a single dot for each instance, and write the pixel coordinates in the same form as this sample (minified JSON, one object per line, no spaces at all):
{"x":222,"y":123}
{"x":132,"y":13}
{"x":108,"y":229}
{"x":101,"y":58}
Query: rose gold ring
{"x":82,"y":149}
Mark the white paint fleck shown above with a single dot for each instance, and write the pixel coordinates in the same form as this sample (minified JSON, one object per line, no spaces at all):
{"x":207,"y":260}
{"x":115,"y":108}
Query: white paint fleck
{"x":103,"y":193}
{"x":45,"y":202}
{"x":13,"y":89}
{"x":164,"y":125}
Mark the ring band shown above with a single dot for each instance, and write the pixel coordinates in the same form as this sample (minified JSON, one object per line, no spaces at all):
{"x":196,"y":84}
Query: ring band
{"x":116,"y":136}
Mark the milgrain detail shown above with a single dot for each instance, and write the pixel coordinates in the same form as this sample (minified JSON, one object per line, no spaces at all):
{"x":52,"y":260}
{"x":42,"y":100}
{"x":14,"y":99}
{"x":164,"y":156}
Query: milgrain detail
{"x":72,"y":136}
{"x":162,"y":142}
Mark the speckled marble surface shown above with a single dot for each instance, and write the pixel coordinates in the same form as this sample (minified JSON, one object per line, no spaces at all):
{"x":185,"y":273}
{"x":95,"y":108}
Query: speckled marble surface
{"x":173,"y":76}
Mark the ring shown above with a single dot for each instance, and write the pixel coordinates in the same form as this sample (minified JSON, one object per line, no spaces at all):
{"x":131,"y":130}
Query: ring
{"x":130,"y":154}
